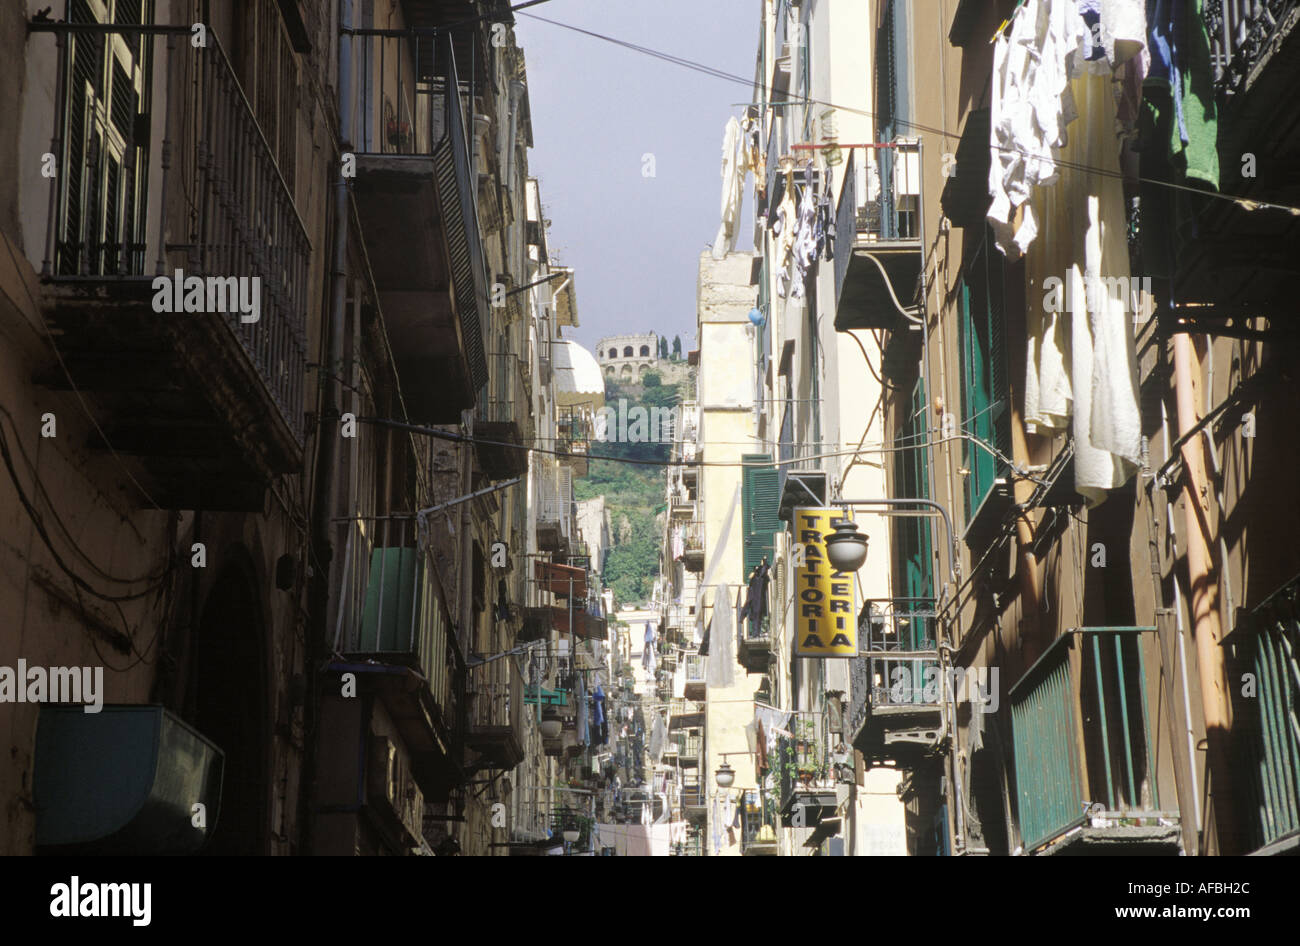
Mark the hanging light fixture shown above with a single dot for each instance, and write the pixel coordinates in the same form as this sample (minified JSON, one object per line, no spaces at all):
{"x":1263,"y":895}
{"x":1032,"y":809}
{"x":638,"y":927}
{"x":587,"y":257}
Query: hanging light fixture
{"x":571,"y":835}
{"x":725,"y":776}
{"x":846,"y":547}
{"x":550,"y":727}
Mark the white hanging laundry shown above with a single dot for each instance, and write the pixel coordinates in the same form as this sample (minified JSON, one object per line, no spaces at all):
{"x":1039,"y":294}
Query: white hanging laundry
{"x":721,"y":670}
{"x":733,"y":179}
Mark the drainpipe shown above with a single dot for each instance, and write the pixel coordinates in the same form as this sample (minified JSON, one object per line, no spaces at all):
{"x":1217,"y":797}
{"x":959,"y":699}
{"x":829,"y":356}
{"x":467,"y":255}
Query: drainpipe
{"x":1031,"y":582}
{"x":328,"y":444}
{"x":1203,"y":595}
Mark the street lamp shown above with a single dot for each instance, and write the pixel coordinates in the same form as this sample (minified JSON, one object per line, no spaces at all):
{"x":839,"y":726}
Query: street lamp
{"x":725,"y":776}
{"x":551,"y":727}
{"x":846,"y":547}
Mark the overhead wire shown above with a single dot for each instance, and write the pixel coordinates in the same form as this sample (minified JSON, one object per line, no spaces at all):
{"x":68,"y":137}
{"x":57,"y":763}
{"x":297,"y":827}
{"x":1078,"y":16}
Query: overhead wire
{"x":1244,"y":202}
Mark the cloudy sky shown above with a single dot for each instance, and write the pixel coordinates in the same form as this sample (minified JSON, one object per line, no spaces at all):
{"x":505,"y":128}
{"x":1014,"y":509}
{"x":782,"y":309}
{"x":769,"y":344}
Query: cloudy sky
{"x":598,"y":109}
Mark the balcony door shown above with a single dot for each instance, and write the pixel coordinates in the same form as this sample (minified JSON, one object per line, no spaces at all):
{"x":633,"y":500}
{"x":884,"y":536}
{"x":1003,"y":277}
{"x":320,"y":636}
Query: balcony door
{"x":104,"y":162}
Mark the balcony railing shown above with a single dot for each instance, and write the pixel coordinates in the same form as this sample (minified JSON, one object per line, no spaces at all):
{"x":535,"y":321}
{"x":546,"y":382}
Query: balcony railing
{"x":693,"y":538}
{"x":388,"y":606}
{"x":1266,"y":733}
{"x":226,"y":211}
{"x":890,"y":213}
{"x":696,"y":668}
{"x":878,"y":251}
{"x":496,"y":713}
{"x":1245,"y":35}
{"x":758,"y":821}
{"x":1105,"y":779}
{"x":410,"y":108}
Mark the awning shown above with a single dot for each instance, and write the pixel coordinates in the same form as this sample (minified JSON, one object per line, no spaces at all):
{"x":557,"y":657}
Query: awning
{"x":565,"y":580}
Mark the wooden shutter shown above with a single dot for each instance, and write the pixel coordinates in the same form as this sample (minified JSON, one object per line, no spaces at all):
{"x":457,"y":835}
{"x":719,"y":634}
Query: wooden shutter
{"x":985,"y":401}
{"x":760,"y":501}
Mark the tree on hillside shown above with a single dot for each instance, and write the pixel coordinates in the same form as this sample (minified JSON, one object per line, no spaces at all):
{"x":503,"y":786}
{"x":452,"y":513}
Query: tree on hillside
{"x":677,"y":348}
{"x":663,"y":347}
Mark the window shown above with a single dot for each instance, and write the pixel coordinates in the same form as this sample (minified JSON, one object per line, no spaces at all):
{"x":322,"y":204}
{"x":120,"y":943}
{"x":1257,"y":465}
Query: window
{"x":985,"y":414}
{"x":911,"y":479}
{"x":613,"y":353}
{"x":645,"y":351}
{"x":101,"y":223}
{"x":760,"y":500}
{"x":627,"y":352}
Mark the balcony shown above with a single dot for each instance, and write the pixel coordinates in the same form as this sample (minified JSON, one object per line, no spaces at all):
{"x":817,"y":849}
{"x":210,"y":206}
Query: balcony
{"x":799,"y":482}
{"x":758,"y":824}
{"x":695,"y":800}
{"x":416,"y":192}
{"x":1265,"y":738}
{"x":1239,"y":263}
{"x":883,"y":262}
{"x":496,"y":719}
{"x":693,"y":546}
{"x":390,"y":614}
{"x":554,"y":525}
{"x":802,"y":766}
{"x":503,"y":425}
{"x":690,"y":745}
{"x":754,"y":647}
{"x":896,"y":689}
{"x":1085,"y":775}
{"x":198,"y":385}
{"x":573,"y":439}
{"x":696,"y":668}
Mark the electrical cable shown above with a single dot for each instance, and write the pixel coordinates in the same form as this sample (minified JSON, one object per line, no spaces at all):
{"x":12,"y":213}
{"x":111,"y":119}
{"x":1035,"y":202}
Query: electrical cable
{"x":1244,"y":202}
{"x":53,"y":512}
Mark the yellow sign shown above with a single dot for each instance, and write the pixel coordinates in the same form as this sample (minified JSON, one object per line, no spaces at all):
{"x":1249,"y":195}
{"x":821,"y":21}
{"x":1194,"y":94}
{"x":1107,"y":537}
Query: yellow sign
{"x":825,"y":622}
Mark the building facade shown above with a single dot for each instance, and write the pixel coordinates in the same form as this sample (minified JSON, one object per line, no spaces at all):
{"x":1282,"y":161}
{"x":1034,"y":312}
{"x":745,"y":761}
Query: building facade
{"x":283,"y":499}
{"x":628,"y":357}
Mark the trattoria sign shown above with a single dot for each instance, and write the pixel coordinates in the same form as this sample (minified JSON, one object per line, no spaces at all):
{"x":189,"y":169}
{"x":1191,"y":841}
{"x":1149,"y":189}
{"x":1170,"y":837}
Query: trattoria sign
{"x":825,"y":620}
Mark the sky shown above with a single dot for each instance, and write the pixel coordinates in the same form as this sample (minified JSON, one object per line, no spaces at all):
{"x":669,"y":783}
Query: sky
{"x":597,"y":111}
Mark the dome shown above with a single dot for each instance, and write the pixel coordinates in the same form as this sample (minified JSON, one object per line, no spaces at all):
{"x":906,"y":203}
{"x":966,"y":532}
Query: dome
{"x":578,"y":379}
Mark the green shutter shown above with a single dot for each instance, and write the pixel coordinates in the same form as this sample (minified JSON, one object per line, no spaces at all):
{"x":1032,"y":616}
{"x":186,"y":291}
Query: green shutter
{"x":911,"y":476}
{"x":984,"y":376}
{"x":760,"y":502}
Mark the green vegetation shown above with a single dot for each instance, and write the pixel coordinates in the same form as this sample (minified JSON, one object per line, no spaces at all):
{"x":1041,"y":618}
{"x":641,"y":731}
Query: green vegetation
{"x":634,"y":492}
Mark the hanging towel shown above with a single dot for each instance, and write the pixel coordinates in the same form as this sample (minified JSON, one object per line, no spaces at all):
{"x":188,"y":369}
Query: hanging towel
{"x":1082,"y":361}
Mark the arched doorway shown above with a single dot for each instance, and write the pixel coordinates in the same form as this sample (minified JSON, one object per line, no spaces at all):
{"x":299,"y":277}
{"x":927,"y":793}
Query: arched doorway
{"x":230,"y":708}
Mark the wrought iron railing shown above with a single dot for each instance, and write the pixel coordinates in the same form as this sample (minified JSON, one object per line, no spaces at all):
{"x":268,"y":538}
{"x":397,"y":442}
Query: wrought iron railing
{"x":496,"y":689}
{"x":1060,"y":781}
{"x":893,"y":172}
{"x":507,"y":400}
{"x":226,"y":214}
{"x":693,"y":537}
{"x":758,"y":823}
{"x":802,"y":754}
{"x":1244,"y":36}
